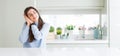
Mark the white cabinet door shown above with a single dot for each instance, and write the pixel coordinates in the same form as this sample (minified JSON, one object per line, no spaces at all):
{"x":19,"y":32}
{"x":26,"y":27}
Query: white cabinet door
{"x":114,"y":7}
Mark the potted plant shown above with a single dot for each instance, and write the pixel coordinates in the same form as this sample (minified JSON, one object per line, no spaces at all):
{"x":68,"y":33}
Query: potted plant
{"x":82,"y":31}
{"x":70,"y":27}
{"x":69,"y":30}
{"x":59,"y":32}
{"x":51,"y":29}
{"x":51,"y":34}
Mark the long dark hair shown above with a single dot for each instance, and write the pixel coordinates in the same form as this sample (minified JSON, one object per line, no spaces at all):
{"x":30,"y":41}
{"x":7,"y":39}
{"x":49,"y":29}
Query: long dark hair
{"x":40,"y":23}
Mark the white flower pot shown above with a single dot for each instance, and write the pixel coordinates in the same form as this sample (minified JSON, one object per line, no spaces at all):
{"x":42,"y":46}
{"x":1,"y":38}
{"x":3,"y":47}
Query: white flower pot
{"x":80,"y":33}
{"x":51,"y":36}
{"x":58,"y":36}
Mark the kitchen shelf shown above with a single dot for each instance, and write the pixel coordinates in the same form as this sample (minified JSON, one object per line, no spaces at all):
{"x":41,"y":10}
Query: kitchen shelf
{"x":76,"y":41}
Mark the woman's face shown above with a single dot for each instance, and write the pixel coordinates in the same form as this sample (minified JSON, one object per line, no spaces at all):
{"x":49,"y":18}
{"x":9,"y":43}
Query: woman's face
{"x":33,"y":15}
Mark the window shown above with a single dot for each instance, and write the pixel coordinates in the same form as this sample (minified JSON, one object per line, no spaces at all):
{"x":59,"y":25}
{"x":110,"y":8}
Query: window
{"x":79,"y":20}
{"x":89,"y":21}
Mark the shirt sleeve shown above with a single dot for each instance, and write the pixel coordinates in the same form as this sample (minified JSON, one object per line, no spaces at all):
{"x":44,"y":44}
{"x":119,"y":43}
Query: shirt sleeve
{"x":24,"y":34}
{"x":42,"y":33}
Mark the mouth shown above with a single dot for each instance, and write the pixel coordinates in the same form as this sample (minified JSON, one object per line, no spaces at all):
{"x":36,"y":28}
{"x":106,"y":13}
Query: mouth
{"x":34,"y":19}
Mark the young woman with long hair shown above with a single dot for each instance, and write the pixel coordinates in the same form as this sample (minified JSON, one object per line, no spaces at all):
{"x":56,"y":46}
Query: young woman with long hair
{"x":34,"y":30}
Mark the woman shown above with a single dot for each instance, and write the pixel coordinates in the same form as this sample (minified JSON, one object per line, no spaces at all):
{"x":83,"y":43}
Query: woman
{"x":34,"y":30}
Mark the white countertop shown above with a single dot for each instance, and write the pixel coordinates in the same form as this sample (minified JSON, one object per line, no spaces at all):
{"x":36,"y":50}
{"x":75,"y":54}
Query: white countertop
{"x":60,"y":52}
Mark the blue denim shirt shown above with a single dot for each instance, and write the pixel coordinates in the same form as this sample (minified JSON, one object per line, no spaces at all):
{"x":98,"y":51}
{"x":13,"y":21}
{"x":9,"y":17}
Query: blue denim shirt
{"x":38,"y":35}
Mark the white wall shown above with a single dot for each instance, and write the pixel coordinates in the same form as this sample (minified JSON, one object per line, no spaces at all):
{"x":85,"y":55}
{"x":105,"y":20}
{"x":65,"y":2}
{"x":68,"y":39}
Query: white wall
{"x":2,"y":19}
{"x":114,"y":23}
{"x":11,"y":21}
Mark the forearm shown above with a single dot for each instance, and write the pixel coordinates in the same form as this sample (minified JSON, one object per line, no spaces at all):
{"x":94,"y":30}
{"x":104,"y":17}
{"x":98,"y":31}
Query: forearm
{"x":38,"y":34}
{"x":24,"y":34}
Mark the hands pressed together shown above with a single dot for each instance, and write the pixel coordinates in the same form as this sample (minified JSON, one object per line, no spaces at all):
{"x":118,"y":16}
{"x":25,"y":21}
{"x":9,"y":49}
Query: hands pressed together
{"x":29,"y":22}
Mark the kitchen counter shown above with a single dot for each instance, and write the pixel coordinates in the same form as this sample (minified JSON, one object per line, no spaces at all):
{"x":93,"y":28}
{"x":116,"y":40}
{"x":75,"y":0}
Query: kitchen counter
{"x":60,"y":52}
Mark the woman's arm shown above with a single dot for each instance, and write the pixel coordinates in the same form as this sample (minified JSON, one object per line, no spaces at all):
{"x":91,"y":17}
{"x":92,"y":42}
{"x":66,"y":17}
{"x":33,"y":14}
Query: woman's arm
{"x":42,"y":33}
{"x":24,"y":34}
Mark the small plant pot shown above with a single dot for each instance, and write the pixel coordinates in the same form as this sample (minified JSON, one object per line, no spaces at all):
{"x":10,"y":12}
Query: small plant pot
{"x":80,"y":33}
{"x":51,"y":36}
{"x":58,"y":36}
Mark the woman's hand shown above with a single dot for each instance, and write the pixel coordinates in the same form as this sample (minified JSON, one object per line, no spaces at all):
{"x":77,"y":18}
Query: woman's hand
{"x":28,"y":20}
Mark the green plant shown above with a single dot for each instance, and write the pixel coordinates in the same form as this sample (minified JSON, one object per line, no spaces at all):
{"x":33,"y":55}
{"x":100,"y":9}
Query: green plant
{"x":51,"y":29}
{"x":70,"y":27}
{"x":59,"y":31}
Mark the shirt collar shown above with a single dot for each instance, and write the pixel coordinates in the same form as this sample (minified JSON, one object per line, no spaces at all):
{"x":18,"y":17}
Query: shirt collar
{"x":36,"y":23}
